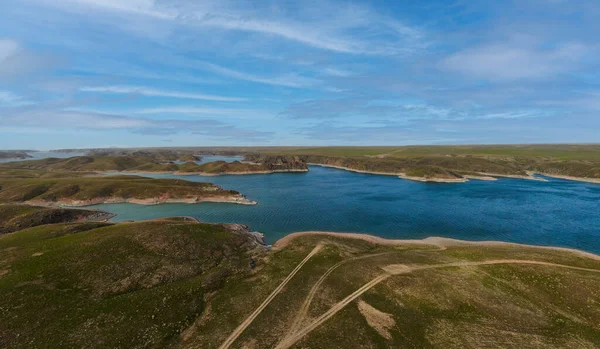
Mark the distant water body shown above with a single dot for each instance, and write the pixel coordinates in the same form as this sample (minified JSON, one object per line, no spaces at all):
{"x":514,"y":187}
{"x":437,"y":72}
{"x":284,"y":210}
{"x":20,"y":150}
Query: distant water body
{"x":38,"y":155}
{"x":555,"y":213}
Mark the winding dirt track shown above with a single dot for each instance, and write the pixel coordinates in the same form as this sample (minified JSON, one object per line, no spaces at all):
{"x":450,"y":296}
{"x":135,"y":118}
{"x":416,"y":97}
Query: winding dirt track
{"x":291,"y":340}
{"x":303,"y":311}
{"x":238,"y":331}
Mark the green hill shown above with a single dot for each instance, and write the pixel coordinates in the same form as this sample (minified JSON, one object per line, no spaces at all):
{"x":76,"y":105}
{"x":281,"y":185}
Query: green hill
{"x":84,"y":191}
{"x":175,"y":284}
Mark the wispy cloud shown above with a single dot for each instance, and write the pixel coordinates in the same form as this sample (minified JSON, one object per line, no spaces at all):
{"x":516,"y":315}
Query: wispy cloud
{"x":35,"y":119}
{"x":515,"y":60}
{"x":288,"y":80}
{"x":338,"y":31}
{"x":252,"y":114}
{"x":10,"y":99}
{"x":145,"y":91}
{"x":15,"y":60}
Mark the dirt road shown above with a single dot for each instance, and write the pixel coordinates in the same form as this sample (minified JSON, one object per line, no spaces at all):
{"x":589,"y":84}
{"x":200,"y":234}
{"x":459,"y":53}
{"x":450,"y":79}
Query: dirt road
{"x":238,"y":331}
{"x":402,"y":269}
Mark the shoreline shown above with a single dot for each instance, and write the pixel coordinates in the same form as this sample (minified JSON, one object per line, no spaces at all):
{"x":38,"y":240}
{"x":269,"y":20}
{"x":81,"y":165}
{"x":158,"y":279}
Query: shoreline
{"x":203,"y":174}
{"x":483,"y":176}
{"x":147,"y":202}
{"x":571,"y":178}
{"x":440,"y":242}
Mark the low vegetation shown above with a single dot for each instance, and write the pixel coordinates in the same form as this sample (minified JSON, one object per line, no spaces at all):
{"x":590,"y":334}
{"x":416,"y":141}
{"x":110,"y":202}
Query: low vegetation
{"x":84,"y":191}
{"x":581,"y":161}
{"x":178,"y":284}
{"x":16,"y":217}
{"x":443,"y":162}
{"x":136,"y":163}
{"x":115,"y":286}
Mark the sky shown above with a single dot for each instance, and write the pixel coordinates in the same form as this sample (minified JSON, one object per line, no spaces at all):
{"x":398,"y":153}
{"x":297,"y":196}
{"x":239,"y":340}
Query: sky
{"x":137,"y":73}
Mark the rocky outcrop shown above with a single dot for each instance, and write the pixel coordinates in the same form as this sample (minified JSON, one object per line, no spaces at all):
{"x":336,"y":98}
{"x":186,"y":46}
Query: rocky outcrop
{"x":279,"y":163}
{"x":27,"y":217}
{"x":14,"y":155}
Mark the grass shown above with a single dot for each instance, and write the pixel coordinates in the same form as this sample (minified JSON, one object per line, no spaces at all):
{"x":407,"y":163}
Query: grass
{"x":139,"y":163}
{"x":175,"y":284}
{"x":441,"y":308}
{"x":18,"y":217}
{"x":119,"y":286}
{"x":555,"y":151}
{"x":581,"y":161}
{"x":110,"y":187}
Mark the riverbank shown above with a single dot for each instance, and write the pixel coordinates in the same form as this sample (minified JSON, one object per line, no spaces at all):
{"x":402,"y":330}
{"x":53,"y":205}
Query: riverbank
{"x":577,"y":179}
{"x":240,"y":200}
{"x":482,"y":176}
{"x":203,"y":174}
{"x":440,"y":242}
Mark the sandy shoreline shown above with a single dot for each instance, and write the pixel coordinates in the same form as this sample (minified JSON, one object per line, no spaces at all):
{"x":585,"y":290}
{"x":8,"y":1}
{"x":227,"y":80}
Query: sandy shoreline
{"x":434,"y":180}
{"x":240,"y":200}
{"x":482,"y":176}
{"x":203,"y":174}
{"x":570,"y":178}
{"x":440,"y":242}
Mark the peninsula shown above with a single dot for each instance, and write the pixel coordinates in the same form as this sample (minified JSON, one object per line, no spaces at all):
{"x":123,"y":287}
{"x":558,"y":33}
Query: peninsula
{"x":87,"y":191}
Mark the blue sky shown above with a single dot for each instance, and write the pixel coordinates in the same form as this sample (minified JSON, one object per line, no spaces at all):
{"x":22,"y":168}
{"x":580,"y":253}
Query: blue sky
{"x":101,"y":73}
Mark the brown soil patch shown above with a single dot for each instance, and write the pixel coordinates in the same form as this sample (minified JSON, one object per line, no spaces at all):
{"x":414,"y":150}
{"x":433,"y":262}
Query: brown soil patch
{"x":378,"y":320}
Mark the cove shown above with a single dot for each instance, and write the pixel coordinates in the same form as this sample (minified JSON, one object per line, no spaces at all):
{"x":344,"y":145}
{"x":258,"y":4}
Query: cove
{"x":554,"y":213}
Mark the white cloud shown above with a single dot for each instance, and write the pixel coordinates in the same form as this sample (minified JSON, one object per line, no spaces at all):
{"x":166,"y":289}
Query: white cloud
{"x":10,"y":99}
{"x":7,"y":97}
{"x":326,"y":25}
{"x":288,"y":80}
{"x":8,"y":48}
{"x":515,"y":60}
{"x":41,"y":119}
{"x":15,"y":60}
{"x":145,"y":91}
{"x":337,"y":72}
{"x":220,"y":112}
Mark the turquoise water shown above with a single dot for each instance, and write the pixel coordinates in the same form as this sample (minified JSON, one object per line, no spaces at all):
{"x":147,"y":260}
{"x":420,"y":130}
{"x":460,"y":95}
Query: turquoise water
{"x":557,"y":213}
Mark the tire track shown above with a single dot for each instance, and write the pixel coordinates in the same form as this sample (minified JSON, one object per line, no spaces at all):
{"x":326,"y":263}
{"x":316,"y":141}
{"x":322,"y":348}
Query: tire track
{"x":291,"y":340}
{"x":238,"y":331}
{"x":303,"y":311}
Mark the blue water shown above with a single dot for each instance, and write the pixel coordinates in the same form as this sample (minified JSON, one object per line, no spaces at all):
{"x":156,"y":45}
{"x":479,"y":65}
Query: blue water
{"x":556,"y":213}
{"x":212,"y":158}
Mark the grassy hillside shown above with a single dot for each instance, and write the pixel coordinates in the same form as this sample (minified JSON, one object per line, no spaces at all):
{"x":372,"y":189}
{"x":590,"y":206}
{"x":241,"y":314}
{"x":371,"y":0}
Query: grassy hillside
{"x":18,"y":217}
{"x":65,"y":190}
{"x":120,"y":286}
{"x":151,"y":164}
{"x":555,"y":151}
{"x":581,"y":161}
{"x":188,"y":285}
